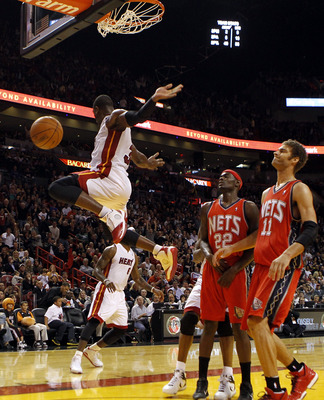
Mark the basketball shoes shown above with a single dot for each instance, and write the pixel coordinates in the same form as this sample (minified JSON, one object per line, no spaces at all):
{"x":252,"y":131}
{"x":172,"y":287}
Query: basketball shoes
{"x":226,"y":388}
{"x":177,"y":383}
{"x":116,"y":222}
{"x":92,"y":356}
{"x":246,"y":391}
{"x":302,"y":380}
{"x":168,"y":257}
{"x":75,"y":366}
{"x":201,"y":392}
{"x":270,"y":395}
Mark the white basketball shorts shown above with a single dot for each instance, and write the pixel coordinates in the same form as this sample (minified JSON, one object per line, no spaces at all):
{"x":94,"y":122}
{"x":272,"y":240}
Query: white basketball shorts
{"x":193,"y":301}
{"x":112,"y":191}
{"x":109,"y":307}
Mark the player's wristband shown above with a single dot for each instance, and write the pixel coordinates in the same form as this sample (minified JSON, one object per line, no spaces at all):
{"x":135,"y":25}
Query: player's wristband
{"x":106,"y":280}
{"x":152,"y":289}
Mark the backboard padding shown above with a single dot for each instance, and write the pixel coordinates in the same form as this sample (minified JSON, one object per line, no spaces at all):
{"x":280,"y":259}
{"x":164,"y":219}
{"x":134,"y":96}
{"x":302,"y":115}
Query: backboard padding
{"x":43,"y":29}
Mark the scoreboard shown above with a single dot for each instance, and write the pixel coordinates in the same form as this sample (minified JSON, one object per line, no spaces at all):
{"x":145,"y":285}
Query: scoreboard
{"x":226,"y":34}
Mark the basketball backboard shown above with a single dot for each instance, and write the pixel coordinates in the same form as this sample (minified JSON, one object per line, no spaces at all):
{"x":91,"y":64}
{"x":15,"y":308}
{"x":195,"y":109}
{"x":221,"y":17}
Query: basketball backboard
{"x":42,"y":29}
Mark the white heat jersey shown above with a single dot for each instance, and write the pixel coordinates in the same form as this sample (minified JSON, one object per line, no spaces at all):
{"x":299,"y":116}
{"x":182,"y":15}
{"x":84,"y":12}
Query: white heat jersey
{"x":120,"y":267}
{"x":112,"y":149}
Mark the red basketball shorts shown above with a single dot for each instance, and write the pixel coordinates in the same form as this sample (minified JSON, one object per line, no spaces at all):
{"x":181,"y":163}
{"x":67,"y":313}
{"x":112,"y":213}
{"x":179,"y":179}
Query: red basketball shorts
{"x":268,"y":298}
{"x":215,"y":298}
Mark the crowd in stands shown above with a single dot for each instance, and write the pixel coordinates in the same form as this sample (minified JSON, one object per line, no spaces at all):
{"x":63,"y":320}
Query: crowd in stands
{"x":169,"y":215}
{"x":226,"y":114}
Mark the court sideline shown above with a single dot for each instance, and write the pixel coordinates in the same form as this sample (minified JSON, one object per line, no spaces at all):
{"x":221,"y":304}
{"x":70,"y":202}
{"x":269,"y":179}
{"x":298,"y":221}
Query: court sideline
{"x":134,"y":372}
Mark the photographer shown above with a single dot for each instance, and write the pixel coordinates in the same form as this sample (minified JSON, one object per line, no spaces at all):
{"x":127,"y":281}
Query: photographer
{"x":291,"y":327}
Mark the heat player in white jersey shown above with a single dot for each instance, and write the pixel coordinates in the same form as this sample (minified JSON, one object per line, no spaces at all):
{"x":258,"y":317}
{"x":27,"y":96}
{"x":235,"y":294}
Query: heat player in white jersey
{"x":105,"y":188}
{"x":108,"y":305}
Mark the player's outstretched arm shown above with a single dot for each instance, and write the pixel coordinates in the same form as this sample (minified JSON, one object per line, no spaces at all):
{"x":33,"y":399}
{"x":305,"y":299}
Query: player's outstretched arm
{"x":121,"y":119}
{"x":102,"y":263}
{"x":144,"y":285}
{"x":141,"y":161}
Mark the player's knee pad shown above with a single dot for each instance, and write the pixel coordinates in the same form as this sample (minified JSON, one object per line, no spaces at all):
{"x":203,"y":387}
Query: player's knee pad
{"x":65,"y":189}
{"x":224,"y":327}
{"x":113,"y":335}
{"x":188,"y":323}
{"x":130,"y":238}
{"x":89,"y":329}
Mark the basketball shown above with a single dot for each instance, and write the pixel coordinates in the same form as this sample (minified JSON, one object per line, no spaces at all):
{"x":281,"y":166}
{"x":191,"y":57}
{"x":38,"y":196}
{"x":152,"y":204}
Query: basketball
{"x":27,"y":321}
{"x":46,"y":133}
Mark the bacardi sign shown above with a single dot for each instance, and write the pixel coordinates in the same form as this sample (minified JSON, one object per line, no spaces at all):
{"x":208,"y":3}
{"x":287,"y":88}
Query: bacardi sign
{"x":75,"y":163}
{"x":199,"y":182}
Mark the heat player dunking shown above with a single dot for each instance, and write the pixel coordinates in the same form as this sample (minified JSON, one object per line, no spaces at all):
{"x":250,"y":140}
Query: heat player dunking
{"x":225,"y":221}
{"x":287,"y":225}
{"x":113,"y":269}
{"x":105,"y":188}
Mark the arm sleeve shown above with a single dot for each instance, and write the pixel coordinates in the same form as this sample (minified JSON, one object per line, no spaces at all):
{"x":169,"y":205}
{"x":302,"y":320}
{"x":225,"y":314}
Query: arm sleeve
{"x":308,"y":234}
{"x":135,"y":117}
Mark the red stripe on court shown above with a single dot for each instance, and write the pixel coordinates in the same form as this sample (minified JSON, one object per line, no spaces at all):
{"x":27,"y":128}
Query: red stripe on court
{"x":122,"y":381}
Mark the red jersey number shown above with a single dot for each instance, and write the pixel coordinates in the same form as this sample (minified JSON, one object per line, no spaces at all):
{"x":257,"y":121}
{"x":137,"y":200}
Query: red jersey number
{"x":127,"y":158}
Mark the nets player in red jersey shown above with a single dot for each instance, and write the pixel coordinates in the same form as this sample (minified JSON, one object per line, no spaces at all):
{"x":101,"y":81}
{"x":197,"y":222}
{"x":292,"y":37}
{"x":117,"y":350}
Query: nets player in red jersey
{"x":105,"y":188}
{"x":287,"y":225}
{"x":225,"y":221}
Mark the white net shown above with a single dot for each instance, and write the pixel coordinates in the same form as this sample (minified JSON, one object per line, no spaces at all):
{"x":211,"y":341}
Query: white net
{"x":131,"y":17}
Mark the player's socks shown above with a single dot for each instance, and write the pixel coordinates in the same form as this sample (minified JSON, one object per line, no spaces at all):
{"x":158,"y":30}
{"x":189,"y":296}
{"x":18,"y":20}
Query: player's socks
{"x":181,"y":366}
{"x":295,"y":366}
{"x":78,"y":353}
{"x":246,"y":371}
{"x":203,"y":367}
{"x":227,"y":371}
{"x":274,"y":384}
{"x":103,"y":212}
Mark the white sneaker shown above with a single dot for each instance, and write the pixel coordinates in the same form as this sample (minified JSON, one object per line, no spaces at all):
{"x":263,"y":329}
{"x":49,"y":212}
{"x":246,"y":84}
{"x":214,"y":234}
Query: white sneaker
{"x":177,"y":383}
{"x":226,"y":388}
{"x":92,"y":356}
{"x":75,"y":366}
{"x":116,"y":222}
{"x":20,"y":345}
{"x":168,"y":257}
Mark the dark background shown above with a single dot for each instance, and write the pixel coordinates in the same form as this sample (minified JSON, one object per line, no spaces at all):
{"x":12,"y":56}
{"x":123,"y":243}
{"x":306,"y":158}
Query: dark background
{"x":276,"y":36}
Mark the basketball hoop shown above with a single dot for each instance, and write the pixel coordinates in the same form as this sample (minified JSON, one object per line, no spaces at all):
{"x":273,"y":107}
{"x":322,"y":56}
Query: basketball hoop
{"x":132,"y":17}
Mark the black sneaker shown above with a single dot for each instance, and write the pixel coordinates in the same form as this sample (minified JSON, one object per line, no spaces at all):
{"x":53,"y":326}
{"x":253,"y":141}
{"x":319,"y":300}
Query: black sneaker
{"x":246,"y":391}
{"x":72,"y":342}
{"x":201,"y":392}
{"x":56,"y":342}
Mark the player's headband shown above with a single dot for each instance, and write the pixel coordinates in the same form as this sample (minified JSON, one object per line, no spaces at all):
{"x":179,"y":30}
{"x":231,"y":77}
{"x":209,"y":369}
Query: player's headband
{"x":236,"y":176}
